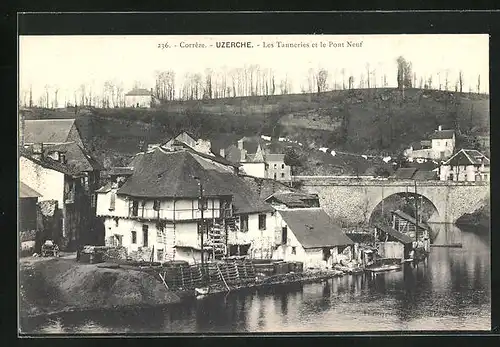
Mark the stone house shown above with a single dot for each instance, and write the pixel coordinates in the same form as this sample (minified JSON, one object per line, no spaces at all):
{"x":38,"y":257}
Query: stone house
{"x":67,"y":175}
{"x":439,"y":146}
{"x":466,"y":165}
{"x":304,"y":231}
{"x":157,"y":204}
{"x":256,"y":160}
{"x":139,"y":97}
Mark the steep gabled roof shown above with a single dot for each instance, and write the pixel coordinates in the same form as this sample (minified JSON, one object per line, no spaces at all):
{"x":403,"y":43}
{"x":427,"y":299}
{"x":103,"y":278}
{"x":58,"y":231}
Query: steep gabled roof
{"x":139,"y":92}
{"x":49,"y":163}
{"x":442,"y":135}
{"x":159,"y":174}
{"x":77,"y":157}
{"x":313,"y":228}
{"x":49,"y":131}
{"x":468,"y":157}
{"x":26,"y":191}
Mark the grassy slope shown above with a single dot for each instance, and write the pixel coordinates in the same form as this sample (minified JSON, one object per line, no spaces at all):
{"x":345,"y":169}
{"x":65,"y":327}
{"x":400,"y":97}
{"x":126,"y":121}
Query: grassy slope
{"x":378,"y":121}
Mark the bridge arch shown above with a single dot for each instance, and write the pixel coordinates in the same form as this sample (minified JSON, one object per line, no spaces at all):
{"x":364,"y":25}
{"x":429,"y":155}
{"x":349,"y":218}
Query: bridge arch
{"x":404,"y":200}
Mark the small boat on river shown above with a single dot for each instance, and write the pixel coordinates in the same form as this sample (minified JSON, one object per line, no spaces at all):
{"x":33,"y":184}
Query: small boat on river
{"x":384,"y":264}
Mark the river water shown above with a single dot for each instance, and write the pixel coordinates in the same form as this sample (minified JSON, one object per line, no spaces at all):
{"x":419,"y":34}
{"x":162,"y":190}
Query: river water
{"x":450,"y":291}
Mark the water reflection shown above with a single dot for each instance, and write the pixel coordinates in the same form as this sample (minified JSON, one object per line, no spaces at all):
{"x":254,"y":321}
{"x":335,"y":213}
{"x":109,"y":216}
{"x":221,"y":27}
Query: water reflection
{"x":450,"y":291}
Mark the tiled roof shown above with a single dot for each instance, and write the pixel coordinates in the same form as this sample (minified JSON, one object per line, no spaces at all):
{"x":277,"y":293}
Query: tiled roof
{"x":423,"y":175}
{"x":468,"y":157}
{"x":47,"y":130}
{"x":442,"y":134}
{"x":293,"y":199}
{"x":77,"y":158}
{"x":26,"y":191}
{"x":404,"y":173}
{"x":121,"y":171}
{"x":171,"y":174}
{"x":51,"y":164}
{"x":313,"y":228}
{"x":139,"y":92}
{"x":275,"y":157}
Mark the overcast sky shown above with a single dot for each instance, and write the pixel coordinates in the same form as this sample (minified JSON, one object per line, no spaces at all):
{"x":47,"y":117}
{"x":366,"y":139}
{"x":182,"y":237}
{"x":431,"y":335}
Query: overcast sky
{"x":66,"y":62}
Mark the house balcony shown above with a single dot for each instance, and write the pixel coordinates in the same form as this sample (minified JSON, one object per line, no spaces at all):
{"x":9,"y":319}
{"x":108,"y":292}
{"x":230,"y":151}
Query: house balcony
{"x":238,"y":238}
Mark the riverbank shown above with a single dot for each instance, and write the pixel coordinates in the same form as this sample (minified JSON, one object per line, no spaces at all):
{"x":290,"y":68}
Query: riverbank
{"x":54,"y":285}
{"x":481,"y":217}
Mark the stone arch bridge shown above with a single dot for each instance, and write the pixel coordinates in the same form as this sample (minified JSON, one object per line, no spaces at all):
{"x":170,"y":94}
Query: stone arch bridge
{"x":352,"y":200}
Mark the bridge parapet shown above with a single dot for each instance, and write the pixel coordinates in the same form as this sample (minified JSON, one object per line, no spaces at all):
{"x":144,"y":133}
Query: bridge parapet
{"x":344,"y":181}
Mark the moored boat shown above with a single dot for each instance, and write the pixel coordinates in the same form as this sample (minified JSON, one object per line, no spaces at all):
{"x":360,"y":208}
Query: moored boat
{"x":384,"y":264}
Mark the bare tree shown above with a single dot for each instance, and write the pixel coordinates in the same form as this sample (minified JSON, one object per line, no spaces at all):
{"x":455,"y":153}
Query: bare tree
{"x":343,"y":77}
{"x":404,"y":73}
{"x":208,"y":84}
{"x":31,"y":96}
{"x":446,"y":80}
{"x":321,"y":80}
{"x":439,"y":80}
{"x":429,"y":82}
{"x":368,"y":74}
{"x":351,"y":82}
{"x":460,"y":80}
{"x":478,"y":84}
{"x":46,"y":98}
{"x":56,"y":91}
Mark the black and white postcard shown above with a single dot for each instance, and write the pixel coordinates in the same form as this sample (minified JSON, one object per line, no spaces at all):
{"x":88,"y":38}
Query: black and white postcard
{"x":254,"y":183}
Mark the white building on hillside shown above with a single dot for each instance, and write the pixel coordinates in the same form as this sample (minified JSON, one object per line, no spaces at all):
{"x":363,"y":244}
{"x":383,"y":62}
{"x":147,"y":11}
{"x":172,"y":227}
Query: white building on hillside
{"x":139,"y":97}
{"x":439,"y":146}
{"x":466,"y":165}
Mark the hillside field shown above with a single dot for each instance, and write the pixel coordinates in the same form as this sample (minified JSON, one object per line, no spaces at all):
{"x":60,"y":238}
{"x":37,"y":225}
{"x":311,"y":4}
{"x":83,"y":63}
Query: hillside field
{"x":364,"y":121}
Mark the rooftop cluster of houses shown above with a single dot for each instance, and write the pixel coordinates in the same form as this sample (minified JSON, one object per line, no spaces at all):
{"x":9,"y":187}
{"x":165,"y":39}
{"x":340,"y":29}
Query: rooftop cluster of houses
{"x":442,"y":161}
{"x":168,"y":196}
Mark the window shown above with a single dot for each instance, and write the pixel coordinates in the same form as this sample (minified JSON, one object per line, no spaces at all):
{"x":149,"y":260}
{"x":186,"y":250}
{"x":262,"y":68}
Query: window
{"x":156,"y":205}
{"x":145,"y":235}
{"x":282,"y":175}
{"x":275,"y":166}
{"x":283,"y":166}
{"x":93,"y":200}
{"x":294,"y":250}
{"x":244,"y":223}
{"x":86,"y":183}
{"x":262,"y":221}
{"x":134,"y":236}
{"x":284,"y":235}
{"x":112,"y":201}
{"x":159,"y":254}
{"x":134,"y":208}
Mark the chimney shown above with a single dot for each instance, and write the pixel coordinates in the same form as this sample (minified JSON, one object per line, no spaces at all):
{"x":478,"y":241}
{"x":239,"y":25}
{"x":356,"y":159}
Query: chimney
{"x":222,"y":152}
{"x":440,"y":128}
